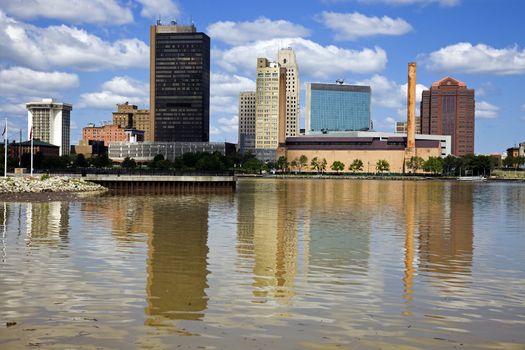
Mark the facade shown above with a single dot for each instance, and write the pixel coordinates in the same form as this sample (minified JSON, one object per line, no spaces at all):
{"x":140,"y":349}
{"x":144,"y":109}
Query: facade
{"x":179,"y":84}
{"x":448,"y":109}
{"x":146,"y":151}
{"x":368,"y":149}
{"x":513,"y":152}
{"x":130,"y":117}
{"x":286,"y":59}
{"x":246,"y":121}
{"x":111,"y":133}
{"x":401,"y":127}
{"x":337,"y":107}
{"x":17,"y":149}
{"x":50,"y":122}
{"x":90,"y":148}
{"x":268,"y":97}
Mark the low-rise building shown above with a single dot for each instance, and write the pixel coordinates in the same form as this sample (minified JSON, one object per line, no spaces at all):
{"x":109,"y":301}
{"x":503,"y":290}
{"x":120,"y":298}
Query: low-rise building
{"x":110,"y":133}
{"x":17,"y":149}
{"x":146,"y":151}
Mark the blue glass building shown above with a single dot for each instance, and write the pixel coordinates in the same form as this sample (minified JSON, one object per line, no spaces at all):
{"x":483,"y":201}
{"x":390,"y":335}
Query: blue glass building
{"x":335,"y":107}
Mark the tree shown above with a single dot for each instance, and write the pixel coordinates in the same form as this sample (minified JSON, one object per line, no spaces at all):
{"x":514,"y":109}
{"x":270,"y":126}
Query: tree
{"x":314,"y":163}
{"x":433,"y":165}
{"x":322,"y":165}
{"x":357,"y":165}
{"x":337,"y":166}
{"x":415,"y":163}
{"x":382,"y":165}
{"x":129,"y":163}
{"x":80,"y":161}
{"x":294,"y":164}
{"x":303,"y":162}
{"x":282,"y":164}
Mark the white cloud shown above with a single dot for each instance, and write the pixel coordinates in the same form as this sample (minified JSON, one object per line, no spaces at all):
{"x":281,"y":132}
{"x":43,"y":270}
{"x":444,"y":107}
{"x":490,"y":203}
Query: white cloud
{"x":225,"y":127}
{"x":236,"y":33}
{"x":66,"y":46}
{"x":159,"y":8}
{"x":486,"y":88}
{"x":445,"y":3}
{"x":481,"y":58}
{"x":226,"y":84}
{"x":351,"y":26}
{"x":115,"y":91}
{"x":76,"y":11}
{"x":486,"y":110}
{"x":16,"y":81}
{"x":389,"y":94}
{"x":314,"y":60}
{"x":523,"y":108}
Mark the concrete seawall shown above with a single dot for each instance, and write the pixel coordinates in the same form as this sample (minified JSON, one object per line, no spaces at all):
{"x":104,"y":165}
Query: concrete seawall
{"x":164,"y":184}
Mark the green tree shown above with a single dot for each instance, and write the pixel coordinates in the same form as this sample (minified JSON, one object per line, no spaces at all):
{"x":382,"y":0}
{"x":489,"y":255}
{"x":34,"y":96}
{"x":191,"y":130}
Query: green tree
{"x":382,"y":165}
{"x":357,"y":165}
{"x":314,"y":163}
{"x":282,"y":164}
{"x":337,"y":166}
{"x":80,"y":161}
{"x":294,"y":164}
{"x":129,"y":163}
{"x":433,"y":165}
{"x":303,"y":162}
{"x":322,"y":165}
{"x":415,"y":163}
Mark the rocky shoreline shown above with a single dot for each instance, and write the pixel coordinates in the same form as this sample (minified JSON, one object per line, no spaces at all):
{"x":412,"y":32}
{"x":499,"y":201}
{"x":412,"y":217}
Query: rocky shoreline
{"x":46,"y":188}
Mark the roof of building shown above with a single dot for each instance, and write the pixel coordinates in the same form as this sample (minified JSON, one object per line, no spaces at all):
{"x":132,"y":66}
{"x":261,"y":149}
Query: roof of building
{"x":36,"y":143}
{"x":448,"y":81}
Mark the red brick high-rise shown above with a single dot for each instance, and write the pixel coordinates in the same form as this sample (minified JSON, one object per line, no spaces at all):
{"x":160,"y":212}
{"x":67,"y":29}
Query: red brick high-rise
{"x":448,"y":109}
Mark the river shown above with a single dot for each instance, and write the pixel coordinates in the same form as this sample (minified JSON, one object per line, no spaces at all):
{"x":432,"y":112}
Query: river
{"x":278,"y":264}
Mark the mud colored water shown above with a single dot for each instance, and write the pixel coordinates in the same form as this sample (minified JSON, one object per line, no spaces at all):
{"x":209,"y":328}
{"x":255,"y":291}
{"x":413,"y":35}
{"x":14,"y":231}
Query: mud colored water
{"x":279,"y":264}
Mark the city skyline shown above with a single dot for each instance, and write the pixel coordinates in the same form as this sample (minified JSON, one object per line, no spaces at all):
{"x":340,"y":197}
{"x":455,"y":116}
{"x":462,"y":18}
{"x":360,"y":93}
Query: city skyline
{"x":95,"y":59}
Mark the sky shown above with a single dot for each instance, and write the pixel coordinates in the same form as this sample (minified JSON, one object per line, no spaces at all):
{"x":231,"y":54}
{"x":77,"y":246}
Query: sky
{"x":94,"y":54}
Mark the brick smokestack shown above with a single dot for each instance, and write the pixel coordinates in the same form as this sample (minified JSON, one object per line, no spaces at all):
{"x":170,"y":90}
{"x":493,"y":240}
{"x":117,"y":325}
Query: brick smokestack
{"x":411,"y":107}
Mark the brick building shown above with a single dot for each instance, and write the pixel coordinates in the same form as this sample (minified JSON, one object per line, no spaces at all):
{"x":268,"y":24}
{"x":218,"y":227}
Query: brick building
{"x":448,"y":109}
{"x":111,"y":133}
{"x":130,"y":117}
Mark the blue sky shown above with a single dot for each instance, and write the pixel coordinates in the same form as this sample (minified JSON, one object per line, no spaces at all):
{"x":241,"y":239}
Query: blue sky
{"x":95,"y":53}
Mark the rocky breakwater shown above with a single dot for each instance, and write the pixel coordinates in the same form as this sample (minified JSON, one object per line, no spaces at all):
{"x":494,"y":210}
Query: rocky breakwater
{"x":13,"y":186}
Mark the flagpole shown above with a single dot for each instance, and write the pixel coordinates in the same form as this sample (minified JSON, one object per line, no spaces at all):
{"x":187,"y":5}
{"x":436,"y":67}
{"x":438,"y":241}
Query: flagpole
{"x":5,"y":149}
{"x":31,"y":136}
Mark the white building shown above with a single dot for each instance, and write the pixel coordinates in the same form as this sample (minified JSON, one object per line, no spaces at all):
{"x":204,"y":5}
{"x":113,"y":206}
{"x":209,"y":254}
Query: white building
{"x":286,"y":59}
{"x":50,"y":122}
{"x":267,"y":104}
{"x":246,"y":121}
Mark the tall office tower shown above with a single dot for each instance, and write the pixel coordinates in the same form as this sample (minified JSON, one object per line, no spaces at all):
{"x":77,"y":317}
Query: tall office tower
{"x":286,"y":59}
{"x":246,"y":121}
{"x":448,"y":109}
{"x":50,"y":122}
{"x":337,"y":107}
{"x":268,"y":96}
{"x":130,"y":117}
{"x":179,"y":83}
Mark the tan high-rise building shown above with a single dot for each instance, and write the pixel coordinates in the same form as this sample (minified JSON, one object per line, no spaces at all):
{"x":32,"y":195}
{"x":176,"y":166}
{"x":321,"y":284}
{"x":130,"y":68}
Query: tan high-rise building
{"x":286,"y":59}
{"x":246,"y":121}
{"x":267,"y":99}
{"x":130,"y":117}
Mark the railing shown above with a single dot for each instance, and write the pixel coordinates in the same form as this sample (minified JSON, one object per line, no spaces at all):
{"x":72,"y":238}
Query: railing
{"x":134,"y":172}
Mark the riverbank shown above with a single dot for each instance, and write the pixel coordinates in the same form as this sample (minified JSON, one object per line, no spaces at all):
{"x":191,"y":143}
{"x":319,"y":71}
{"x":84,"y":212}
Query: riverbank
{"x":45,"y":188}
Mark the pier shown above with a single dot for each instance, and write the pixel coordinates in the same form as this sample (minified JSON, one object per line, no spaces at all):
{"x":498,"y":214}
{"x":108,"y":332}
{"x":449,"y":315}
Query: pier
{"x":159,"y":184}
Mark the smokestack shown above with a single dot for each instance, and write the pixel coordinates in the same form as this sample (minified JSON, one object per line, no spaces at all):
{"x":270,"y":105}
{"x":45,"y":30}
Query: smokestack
{"x":411,"y":107}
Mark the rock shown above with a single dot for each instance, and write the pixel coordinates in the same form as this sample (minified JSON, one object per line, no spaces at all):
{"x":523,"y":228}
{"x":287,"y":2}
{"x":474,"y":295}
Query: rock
{"x":10,"y":323}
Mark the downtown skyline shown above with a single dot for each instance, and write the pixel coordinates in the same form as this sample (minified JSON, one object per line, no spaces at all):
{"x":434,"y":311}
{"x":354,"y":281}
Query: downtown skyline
{"x":95,"y":54}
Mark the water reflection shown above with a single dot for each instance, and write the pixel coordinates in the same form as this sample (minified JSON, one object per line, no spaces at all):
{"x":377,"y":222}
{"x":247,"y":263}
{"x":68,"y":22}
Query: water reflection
{"x":177,"y":260}
{"x":47,"y":223}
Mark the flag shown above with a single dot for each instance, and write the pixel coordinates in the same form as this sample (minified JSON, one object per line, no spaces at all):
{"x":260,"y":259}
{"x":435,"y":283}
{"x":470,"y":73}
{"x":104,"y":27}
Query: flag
{"x":5,"y":129}
{"x":31,"y":133}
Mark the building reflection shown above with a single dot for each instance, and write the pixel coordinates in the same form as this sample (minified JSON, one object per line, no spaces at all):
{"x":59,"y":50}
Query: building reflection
{"x":177,"y":260}
{"x":47,"y":222}
{"x":445,"y":230}
{"x":267,"y":235}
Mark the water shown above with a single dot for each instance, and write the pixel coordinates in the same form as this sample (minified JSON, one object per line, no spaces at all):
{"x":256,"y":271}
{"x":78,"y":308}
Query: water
{"x":288,"y":264}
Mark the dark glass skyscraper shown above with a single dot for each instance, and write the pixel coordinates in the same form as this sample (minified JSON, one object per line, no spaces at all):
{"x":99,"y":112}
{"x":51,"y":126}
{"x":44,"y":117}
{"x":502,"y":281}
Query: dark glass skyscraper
{"x":179,"y":84}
